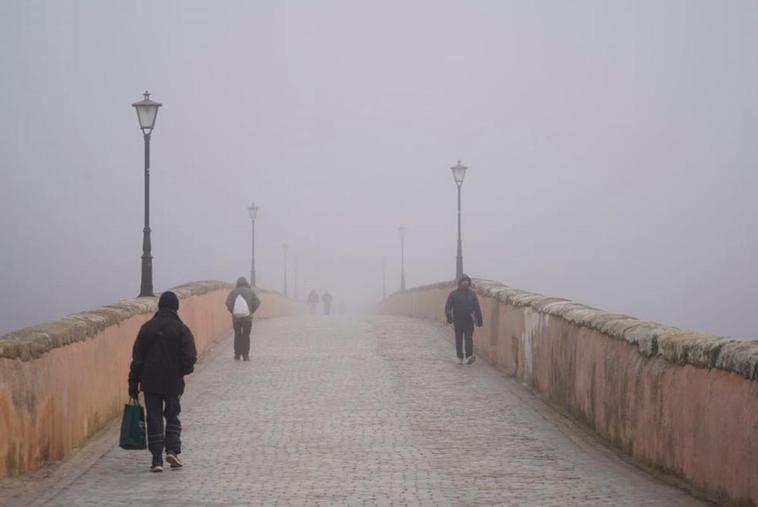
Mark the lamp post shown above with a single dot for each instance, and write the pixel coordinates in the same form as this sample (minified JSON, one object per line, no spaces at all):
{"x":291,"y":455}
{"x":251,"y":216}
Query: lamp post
{"x":402,"y":229}
{"x":147,"y":111}
{"x":284,"y":251}
{"x":384,"y":278}
{"x":459,"y":171}
{"x":296,"y":282}
{"x":253,"y":211}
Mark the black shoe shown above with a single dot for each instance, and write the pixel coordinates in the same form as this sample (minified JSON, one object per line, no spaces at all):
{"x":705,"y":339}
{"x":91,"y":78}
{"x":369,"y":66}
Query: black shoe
{"x":246,"y":358}
{"x":236,"y":357}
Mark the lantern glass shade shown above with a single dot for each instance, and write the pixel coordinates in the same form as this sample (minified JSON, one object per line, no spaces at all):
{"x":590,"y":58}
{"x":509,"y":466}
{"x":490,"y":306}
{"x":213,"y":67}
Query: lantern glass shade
{"x":253,"y":210}
{"x":459,"y":171}
{"x":147,"y":112}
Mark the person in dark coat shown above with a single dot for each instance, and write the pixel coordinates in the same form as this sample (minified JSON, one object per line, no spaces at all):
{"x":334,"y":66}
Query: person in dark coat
{"x":313,"y":301}
{"x":242,"y":316}
{"x":462,"y":310}
{"x":326,"y":299}
{"x":163,"y":353}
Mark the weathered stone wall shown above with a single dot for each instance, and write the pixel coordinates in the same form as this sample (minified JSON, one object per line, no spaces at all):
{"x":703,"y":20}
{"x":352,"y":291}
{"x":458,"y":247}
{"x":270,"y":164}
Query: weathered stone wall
{"x":63,"y":380}
{"x":681,"y":402}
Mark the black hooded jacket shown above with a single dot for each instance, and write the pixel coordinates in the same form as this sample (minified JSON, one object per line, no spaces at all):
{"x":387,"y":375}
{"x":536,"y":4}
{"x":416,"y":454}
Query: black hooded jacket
{"x":163,"y":354}
{"x":462,"y":307}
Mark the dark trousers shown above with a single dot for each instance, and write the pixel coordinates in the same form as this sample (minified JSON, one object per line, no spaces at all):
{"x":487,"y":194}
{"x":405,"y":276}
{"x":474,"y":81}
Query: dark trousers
{"x":159,"y":406}
{"x":464,"y":330}
{"x":242,"y":328}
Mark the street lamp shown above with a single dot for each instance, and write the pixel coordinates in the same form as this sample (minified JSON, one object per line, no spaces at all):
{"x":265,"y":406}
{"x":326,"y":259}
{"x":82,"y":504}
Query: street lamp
{"x":253,"y":211}
{"x":384,"y":278}
{"x":459,"y":171}
{"x":147,"y":111}
{"x":402,"y":231}
{"x":295,"y":281}
{"x":284,"y":250}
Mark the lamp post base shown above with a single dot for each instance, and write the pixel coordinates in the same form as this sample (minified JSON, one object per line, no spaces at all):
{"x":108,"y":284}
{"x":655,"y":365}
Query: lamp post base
{"x":146,"y":287}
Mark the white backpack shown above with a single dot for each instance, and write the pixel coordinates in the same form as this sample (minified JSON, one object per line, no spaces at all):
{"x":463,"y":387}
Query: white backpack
{"x":240,"y":307}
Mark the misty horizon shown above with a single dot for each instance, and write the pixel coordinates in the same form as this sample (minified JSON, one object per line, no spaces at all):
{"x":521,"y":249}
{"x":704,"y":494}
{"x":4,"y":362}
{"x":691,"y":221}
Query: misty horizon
{"x":611,"y":149}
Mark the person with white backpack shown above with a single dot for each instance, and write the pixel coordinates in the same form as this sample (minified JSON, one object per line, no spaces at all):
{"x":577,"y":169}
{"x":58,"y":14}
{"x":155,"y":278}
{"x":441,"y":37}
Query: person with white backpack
{"x":242,"y":303}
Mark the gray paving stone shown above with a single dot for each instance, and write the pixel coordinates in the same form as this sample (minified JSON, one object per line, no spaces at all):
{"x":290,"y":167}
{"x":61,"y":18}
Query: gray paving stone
{"x":365,"y":411}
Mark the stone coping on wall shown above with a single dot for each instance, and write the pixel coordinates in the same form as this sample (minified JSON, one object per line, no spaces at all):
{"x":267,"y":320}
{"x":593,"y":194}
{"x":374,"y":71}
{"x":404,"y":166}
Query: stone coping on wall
{"x":32,"y":342}
{"x":651,"y":338}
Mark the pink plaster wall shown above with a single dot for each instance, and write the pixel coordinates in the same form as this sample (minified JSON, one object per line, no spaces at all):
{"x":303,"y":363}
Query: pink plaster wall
{"x":697,"y":423}
{"x":51,"y":404}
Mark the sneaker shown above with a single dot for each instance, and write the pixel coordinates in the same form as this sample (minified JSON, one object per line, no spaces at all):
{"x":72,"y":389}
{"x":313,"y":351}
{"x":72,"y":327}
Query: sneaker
{"x":236,"y":357}
{"x":174,"y":460}
{"x":246,"y":358}
{"x":470,"y":359}
{"x":156,"y":468}
{"x":460,"y":360}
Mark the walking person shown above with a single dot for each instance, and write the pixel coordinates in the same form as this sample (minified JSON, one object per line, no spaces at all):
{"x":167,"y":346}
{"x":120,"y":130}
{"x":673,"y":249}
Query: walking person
{"x":327,"y":300}
{"x":163,"y":353}
{"x":462,"y":310}
{"x":313,"y":301}
{"x":242,"y":304}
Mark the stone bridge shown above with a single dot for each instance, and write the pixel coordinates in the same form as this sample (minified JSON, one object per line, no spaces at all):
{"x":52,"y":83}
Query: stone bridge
{"x":568,"y":405}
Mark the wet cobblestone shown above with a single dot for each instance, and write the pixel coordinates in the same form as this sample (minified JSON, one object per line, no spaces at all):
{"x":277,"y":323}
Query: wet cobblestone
{"x":365,"y":411}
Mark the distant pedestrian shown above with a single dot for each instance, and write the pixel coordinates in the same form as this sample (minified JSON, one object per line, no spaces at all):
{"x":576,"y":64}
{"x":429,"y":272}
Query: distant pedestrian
{"x":242,"y":304}
{"x":327,"y":300}
{"x":313,"y":301}
{"x":462,"y":310}
{"x":163,"y":354}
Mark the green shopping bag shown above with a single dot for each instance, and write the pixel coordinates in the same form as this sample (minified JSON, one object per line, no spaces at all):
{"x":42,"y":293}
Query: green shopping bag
{"x":133,"y":427}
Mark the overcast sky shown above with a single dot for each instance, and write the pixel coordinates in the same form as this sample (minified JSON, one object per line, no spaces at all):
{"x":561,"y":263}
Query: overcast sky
{"x":612,"y":147}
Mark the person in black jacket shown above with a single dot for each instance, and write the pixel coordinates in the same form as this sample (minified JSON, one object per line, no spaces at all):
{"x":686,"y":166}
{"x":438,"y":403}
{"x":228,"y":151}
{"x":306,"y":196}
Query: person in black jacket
{"x":313,"y":301}
{"x":242,"y":322}
{"x":163,"y":354}
{"x":326,"y":299}
{"x":462,"y":310}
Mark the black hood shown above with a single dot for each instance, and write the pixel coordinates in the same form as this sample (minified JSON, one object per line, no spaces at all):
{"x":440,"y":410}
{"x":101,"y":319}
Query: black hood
{"x":168,"y":301}
{"x":242,"y":282}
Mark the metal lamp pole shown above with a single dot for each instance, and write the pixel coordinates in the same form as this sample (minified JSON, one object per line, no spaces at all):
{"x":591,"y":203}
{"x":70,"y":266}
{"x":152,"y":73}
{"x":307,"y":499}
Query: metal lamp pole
{"x":295,"y":292}
{"x":384,"y":278}
{"x":147,"y":111}
{"x":253,"y":211}
{"x":284,"y":250}
{"x":402,"y":231}
{"x":459,"y":171}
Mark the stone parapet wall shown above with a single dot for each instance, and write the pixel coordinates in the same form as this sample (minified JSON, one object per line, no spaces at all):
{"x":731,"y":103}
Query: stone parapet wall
{"x":64,"y":380}
{"x":681,"y":402}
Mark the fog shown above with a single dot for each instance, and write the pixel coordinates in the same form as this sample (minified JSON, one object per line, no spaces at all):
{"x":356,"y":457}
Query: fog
{"x":612,"y":150}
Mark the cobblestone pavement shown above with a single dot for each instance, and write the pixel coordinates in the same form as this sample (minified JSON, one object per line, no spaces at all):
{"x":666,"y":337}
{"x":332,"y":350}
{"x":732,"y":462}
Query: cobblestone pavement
{"x":365,"y":411}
